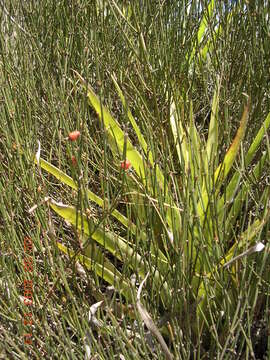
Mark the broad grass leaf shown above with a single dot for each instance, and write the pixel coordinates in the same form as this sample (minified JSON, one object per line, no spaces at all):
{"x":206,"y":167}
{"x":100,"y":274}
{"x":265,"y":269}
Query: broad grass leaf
{"x":133,"y":121}
{"x":223,"y":169}
{"x":232,"y":187}
{"x":208,"y":14}
{"x":211,"y":43}
{"x":67,"y":180}
{"x":246,"y":239}
{"x":195,"y":152}
{"x":124,"y":146}
{"x":241,"y":196}
{"x":257,"y":141}
{"x":116,"y":245}
{"x":57,"y":173}
{"x":117,"y":136}
{"x":202,"y":28}
{"x":103,"y":268}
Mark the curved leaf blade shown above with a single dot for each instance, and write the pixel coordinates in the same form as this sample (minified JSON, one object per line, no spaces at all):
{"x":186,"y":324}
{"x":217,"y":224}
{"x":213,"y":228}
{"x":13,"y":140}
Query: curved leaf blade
{"x":224,"y":168}
{"x":116,"y":245}
{"x":104,"y":269}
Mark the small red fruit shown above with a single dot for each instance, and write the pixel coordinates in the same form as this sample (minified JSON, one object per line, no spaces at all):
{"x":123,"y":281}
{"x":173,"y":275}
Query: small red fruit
{"x":125,"y":164}
{"x":74,"y":135}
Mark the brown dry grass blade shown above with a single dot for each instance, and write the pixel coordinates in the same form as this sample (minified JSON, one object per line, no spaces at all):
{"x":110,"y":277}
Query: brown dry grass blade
{"x":150,"y":323}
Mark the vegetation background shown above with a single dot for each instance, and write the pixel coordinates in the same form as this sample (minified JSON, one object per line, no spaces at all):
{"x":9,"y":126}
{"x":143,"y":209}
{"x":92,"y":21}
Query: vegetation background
{"x":154,"y":50}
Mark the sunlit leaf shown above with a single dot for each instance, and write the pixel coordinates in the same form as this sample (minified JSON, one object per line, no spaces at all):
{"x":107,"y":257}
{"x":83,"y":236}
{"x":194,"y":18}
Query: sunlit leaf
{"x":203,"y":27}
{"x":133,"y":121}
{"x":233,"y":185}
{"x":104,"y":269}
{"x":224,"y":168}
{"x":67,"y":180}
{"x":116,"y":245}
{"x":246,"y":239}
{"x":240,"y":198}
{"x":117,"y":135}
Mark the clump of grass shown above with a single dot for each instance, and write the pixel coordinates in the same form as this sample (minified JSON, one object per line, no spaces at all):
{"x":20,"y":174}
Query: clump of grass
{"x":170,"y":214}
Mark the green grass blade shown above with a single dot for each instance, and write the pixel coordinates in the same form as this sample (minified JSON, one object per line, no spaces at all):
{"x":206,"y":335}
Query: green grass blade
{"x":203,"y":27}
{"x":67,"y":180}
{"x":194,"y":148}
{"x":58,"y":174}
{"x":258,"y":139}
{"x":123,"y":142}
{"x":116,"y":245}
{"x":224,"y":168}
{"x":204,"y":21}
{"x":140,"y":137}
{"x":104,"y":269}
{"x":132,"y":121}
{"x":239,"y":200}
{"x":233,"y":184}
{"x":117,"y":137}
{"x":216,"y":34}
{"x":246,"y":239}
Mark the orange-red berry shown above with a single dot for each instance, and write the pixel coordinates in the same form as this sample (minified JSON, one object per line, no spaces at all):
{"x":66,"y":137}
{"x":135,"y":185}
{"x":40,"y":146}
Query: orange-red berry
{"x":125,"y":164}
{"x":74,"y":135}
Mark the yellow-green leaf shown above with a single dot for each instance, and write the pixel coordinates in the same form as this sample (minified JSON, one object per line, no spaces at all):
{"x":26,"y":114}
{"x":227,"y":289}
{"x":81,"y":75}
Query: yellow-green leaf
{"x":224,"y":168}
{"x":104,"y":269}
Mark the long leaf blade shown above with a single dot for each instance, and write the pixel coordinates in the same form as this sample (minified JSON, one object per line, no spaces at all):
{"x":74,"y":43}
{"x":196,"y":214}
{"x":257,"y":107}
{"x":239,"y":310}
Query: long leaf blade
{"x":105,"y":269}
{"x":120,"y":140}
{"x":116,"y":245}
{"x":231,"y":189}
{"x":224,"y":168}
{"x":67,"y":180}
